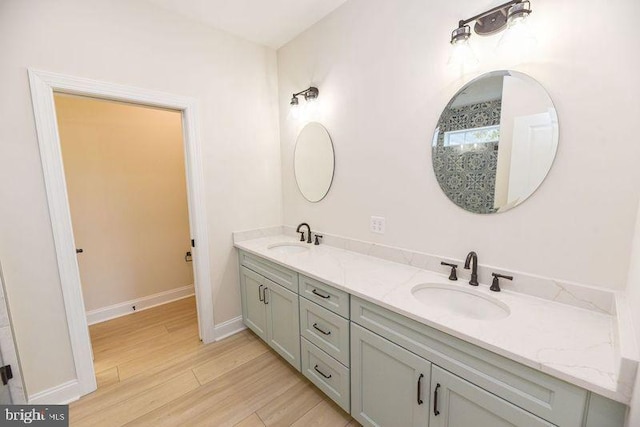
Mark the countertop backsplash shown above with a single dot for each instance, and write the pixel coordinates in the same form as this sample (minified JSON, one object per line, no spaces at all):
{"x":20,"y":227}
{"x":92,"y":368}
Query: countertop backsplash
{"x":565,"y":292}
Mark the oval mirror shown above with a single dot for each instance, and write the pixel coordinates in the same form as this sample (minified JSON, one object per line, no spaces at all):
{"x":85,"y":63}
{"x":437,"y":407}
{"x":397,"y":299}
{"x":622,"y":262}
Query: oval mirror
{"x":495,"y":142}
{"x":313,"y":162}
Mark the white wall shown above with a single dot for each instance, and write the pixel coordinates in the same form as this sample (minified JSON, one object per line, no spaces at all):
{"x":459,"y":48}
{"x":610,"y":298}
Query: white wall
{"x":381,"y":70}
{"x":133,"y":43}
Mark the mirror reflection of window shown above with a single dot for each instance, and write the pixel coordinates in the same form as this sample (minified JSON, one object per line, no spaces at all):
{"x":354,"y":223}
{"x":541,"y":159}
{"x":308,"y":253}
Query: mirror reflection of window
{"x":482,"y":135}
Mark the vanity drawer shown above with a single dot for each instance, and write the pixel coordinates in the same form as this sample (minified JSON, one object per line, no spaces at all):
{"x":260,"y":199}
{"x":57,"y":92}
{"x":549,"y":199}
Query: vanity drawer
{"x":326,"y":330}
{"x":326,"y":373}
{"x":281,"y":275}
{"x":549,"y":398}
{"x":327,"y":296}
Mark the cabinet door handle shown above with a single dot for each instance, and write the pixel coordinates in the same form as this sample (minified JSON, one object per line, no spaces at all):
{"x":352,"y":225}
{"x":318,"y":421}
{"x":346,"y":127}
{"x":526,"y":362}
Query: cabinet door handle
{"x":435,"y":401}
{"x":420,"y":402}
{"x":260,"y":297}
{"x":321,"y":295}
{"x":315,"y":326}
{"x":264,"y":295}
{"x":321,"y":373}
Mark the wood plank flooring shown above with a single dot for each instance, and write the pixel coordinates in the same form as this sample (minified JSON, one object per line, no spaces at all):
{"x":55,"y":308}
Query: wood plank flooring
{"x":152,"y":370}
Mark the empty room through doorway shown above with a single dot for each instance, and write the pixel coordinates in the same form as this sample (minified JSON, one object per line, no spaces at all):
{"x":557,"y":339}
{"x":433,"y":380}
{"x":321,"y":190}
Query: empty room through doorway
{"x":125,"y":175}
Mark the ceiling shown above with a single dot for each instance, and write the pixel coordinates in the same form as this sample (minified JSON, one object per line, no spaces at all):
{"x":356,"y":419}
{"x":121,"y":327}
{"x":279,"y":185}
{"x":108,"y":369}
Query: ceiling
{"x":268,"y":22}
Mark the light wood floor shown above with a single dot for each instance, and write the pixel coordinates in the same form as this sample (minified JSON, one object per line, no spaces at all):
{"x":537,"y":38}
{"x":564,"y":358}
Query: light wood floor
{"x":153,"y":370}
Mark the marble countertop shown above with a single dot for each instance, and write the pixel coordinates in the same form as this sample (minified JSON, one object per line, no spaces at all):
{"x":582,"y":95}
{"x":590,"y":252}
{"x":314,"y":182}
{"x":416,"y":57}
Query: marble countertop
{"x":574,"y":344}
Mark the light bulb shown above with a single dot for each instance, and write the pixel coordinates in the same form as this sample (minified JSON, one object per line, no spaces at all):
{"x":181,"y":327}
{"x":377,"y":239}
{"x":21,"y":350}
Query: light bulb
{"x":297,"y":112}
{"x":311,"y":109}
{"x":462,"y":55}
{"x":518,"y":38}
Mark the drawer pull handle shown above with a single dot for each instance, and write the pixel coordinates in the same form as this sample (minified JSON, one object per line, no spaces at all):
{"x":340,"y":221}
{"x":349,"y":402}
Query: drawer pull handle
{"x":435,"y":401}
{"x":264,"y":295}
{"x":321,"y":295}
{"x":315,"y":326}
{"x":420,"y":402}
{"x":260,"y":297}
{"x":321,"y":373}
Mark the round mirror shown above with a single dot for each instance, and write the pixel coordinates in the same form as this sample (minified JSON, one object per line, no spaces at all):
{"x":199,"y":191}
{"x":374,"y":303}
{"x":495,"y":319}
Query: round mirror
{"x":495,"y":142}
{"x":313,"y":162}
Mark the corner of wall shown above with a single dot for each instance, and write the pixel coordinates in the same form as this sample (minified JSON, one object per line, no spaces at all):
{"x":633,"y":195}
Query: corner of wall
{"x":632,"y":293}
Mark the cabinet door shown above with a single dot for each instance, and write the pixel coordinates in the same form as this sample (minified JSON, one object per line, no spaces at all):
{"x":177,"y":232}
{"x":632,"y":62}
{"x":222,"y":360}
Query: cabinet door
{"x":458,"y":403}
{"x":389,"y":385}
{"x":283,"y":322}
{"x":254,"y":311}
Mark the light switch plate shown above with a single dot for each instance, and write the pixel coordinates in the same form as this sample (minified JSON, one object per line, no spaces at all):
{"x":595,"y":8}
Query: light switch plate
{"x":378,"y":224}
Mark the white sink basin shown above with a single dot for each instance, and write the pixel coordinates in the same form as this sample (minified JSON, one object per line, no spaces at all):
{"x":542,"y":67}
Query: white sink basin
{"x":460,"y":302}
{"x":288,"y":247}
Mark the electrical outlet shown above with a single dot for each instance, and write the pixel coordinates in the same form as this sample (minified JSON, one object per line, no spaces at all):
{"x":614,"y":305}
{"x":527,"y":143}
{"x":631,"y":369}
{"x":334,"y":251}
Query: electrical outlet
{"x":378,"y":224}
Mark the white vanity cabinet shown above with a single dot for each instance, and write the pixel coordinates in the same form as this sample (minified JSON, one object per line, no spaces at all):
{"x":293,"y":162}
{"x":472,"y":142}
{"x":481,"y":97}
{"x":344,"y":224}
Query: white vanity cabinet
{"x":272,"y":312}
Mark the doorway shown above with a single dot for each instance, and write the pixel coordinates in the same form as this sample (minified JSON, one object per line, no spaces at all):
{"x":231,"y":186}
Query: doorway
{"x":126,"y":184}
{"x":43,"y":87}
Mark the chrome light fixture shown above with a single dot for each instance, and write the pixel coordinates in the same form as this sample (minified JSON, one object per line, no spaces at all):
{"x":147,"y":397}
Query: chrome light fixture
{"x":511,"y":15}
{"x":310,"y":95}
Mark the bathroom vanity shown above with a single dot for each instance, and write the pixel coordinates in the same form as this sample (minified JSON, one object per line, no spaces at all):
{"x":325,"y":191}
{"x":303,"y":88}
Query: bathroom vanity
{"x":362,"y":330}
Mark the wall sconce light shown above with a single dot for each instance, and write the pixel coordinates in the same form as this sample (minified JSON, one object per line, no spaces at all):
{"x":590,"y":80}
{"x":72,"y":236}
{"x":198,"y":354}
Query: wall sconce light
{"x":511,"y":15}
{"x":310,"y":95}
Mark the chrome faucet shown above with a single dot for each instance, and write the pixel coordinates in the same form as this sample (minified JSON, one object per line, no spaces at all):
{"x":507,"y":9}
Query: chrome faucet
{"x":472,"y":259}
{"x":304,"y":224}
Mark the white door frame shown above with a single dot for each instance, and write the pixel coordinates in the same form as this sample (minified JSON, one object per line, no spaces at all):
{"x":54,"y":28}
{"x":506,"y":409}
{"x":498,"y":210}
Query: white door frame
{"x":43,"y":85}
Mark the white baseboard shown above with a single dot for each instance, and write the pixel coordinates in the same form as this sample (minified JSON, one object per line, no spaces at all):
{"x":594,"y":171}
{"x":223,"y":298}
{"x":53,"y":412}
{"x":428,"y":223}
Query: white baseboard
{"x":228,"y":328}
{"x":59,"y":395}
{"x":122,"y":309}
